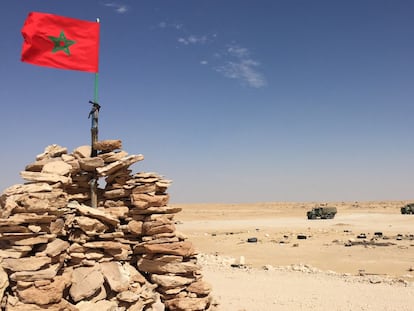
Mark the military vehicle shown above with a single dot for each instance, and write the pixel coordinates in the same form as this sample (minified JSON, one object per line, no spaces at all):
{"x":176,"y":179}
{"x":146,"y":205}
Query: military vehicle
{"x":322,"y":212}
{"x":408,"y":209}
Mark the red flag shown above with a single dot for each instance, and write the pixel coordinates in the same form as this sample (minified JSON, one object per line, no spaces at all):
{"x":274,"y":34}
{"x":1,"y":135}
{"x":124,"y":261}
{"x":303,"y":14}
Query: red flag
{"x":60,"y":42}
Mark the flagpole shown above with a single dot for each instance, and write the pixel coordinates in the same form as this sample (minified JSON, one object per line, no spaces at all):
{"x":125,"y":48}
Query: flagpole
{"x":94,"y":138}
{"x":95,"y":112}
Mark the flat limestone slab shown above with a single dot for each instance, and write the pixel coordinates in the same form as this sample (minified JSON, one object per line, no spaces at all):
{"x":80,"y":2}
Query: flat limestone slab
{"x":45,"y":177}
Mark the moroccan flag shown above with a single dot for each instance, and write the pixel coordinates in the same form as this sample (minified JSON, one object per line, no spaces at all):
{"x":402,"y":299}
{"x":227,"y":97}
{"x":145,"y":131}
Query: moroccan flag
{"x":60,"y":42}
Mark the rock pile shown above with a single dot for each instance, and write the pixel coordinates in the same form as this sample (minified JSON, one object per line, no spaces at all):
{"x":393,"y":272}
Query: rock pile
{"x":58,"y":253}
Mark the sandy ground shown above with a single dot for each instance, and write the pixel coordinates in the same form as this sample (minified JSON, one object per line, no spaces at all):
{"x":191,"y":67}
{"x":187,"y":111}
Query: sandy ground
{"x":329,"y":267}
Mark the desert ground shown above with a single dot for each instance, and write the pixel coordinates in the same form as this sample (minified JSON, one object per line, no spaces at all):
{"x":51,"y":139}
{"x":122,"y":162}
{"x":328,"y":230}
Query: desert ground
{"x":269,"y":256}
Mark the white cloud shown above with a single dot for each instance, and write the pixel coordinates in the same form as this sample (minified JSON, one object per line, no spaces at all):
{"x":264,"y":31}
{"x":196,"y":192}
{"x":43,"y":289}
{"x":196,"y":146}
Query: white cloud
{"x":245,"y":71}
{"x":238,"y":51}
{"x":234,"y":62}
{"x":170,"y":25}
{"x":119,"y":8}
{"x":122,"y":9}
{"x":217,"y":55}
{"x":242,"y":67}
{"x":177,"y":26}
{"x":193,"y":40}
{"x":182,"y":40}
{"x":185,"y":38}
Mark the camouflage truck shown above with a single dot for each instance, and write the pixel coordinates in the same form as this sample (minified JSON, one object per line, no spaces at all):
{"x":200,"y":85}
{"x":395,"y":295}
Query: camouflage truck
{"x":408,"y":209}
{"x":322,"y":212}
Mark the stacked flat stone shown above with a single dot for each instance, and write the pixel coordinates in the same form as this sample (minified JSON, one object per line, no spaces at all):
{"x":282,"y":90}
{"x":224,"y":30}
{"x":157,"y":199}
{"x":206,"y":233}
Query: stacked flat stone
{"x":58,"y":253}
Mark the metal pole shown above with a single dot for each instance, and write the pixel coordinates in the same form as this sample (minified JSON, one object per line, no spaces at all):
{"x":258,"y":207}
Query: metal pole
{"x":94,"y":135}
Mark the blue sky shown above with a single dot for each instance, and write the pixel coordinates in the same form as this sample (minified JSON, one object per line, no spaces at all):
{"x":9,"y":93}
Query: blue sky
{"x":235,"y":101}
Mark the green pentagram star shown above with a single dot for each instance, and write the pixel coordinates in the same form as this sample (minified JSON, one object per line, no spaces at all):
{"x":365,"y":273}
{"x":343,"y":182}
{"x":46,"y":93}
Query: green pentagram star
{"x":61,"y":43}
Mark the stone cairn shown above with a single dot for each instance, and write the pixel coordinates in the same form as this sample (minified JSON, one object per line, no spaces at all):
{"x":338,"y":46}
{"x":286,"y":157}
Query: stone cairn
{"x":58,"y":253}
